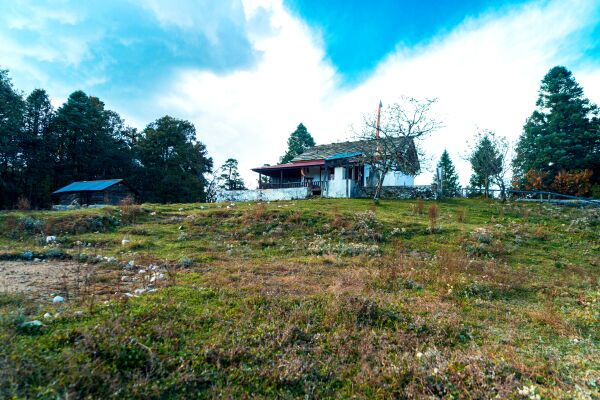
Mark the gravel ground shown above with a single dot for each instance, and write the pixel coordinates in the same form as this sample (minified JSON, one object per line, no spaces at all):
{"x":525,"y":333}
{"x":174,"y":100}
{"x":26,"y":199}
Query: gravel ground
{"x":42,"y":279}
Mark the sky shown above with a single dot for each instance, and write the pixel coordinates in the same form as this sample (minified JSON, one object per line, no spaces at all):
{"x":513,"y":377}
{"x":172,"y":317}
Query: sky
{"x":247,"y":72}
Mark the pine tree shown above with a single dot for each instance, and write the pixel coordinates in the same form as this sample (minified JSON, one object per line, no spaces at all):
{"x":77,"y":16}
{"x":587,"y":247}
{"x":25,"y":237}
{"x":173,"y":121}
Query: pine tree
{"x":11,"y":138}
{"x":449,"y":183}
{"x":486,"y":161}
{"x":563,"y":133}
{"x":230,"y":178}
{"x":173,"y":162}
{"x":299,"y":141}
{"x":39,"y":149}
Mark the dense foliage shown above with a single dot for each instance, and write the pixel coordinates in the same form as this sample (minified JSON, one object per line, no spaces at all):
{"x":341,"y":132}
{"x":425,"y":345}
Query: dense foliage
{"x":299,"y":141}
{"x":562,"y":134}
{"x":42,"y":149}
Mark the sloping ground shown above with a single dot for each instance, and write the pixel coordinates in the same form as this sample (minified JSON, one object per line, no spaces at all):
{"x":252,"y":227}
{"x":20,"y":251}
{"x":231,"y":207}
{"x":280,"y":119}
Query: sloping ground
{"x":313,"y":299}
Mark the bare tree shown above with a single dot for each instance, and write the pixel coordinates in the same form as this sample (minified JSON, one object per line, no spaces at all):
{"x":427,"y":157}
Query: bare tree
{"x":393,"y":142}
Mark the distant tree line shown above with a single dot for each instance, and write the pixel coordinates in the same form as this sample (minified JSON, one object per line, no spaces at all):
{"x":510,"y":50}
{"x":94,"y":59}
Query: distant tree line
{"x":42,"y":149}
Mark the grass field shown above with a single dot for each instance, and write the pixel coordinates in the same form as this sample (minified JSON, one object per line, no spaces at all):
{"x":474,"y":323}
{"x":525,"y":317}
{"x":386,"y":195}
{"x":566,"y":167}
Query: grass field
{"x":311,"y":299}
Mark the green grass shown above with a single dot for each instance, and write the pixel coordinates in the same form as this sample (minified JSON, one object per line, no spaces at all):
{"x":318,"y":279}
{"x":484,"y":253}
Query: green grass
{"x":316,"y":299}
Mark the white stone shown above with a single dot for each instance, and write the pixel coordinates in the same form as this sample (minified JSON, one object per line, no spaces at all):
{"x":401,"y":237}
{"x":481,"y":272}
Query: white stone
{"x":29,"y":324}
{"x":125,"y":242}
{"x":47,"y":315}
{"x":58,"y":299}
{"x":139,"y":291}
{"x":50,"y":239}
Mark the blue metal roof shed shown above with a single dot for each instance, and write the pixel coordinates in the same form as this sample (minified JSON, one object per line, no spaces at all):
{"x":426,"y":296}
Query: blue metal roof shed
{"x":88,"y":186}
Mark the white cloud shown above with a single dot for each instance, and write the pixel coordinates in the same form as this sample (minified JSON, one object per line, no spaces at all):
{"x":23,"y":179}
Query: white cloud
{"x":485,"y":73}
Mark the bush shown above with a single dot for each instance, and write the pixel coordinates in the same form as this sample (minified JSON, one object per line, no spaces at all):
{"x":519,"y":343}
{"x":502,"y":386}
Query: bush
{"x":23,"y":203}
{"x":129,"y":210}
{"x":576,"y":183}
{"x":31,"y":225}
{"x":534,"y":179}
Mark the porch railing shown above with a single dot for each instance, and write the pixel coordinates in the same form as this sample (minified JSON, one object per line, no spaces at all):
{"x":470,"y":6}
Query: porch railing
{"x":287,"y":185}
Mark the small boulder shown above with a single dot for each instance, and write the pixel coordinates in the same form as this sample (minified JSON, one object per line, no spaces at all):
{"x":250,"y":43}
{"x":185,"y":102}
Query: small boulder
{"x":125,"y":242}
{"x":50,"y":239}
{"x":58,"y":299}
{"x":31,"y":324}
{"x":47,"y":316}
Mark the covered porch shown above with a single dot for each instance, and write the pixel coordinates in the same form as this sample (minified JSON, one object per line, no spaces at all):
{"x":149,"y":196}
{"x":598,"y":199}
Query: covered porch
{"x":311,"y":174}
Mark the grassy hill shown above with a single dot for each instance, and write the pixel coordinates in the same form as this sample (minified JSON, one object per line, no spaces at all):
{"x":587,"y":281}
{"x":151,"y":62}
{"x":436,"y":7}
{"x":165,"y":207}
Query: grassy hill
{"x":310,"y":299}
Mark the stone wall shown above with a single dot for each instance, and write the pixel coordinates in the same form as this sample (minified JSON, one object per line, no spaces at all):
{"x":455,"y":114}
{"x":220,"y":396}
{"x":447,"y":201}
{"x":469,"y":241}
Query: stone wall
{"x":399,"y":192}
{"x":263,"y":194}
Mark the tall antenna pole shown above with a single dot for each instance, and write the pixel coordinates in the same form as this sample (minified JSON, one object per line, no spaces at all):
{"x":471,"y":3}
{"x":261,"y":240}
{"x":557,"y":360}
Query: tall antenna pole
{"x":377,"y":131}
{"x":378,"y":119}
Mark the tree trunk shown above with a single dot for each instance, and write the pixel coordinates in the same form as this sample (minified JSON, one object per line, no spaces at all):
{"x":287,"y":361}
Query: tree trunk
{"x":379,"y":186}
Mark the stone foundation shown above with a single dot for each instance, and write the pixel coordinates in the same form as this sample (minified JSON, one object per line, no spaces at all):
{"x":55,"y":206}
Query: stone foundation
{"x":399,"y":192}
{"x":263,"y":194}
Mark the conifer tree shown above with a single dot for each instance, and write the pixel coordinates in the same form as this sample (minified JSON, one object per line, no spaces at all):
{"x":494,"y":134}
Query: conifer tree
{"x":230,"y":178}
{"x":563,"y":133}
{"x":449,"y":182}
{"x":299,"y":141}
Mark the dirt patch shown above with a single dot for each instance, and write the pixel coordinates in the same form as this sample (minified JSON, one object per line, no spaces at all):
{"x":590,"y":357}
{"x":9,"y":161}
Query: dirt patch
{"x":44,"y":279}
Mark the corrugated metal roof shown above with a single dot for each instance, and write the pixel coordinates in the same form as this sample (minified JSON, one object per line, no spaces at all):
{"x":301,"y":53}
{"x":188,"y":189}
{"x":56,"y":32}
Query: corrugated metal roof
{"x":338,"y":156}
{"x":88,"y":186}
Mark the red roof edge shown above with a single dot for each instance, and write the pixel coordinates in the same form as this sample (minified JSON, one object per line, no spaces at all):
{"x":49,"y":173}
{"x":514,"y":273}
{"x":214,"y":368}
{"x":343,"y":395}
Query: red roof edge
{"x":297,"y":164}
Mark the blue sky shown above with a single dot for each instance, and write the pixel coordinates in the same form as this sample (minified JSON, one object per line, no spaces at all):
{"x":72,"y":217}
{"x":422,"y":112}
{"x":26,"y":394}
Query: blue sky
{"x":247,"y":72}
{"x":359,"y":34}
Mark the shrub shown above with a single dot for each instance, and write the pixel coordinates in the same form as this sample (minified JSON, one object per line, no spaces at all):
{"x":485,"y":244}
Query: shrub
{"x":31,"y":225}
{"x":433,"y":216}
{"x":577,"y":183}
{"x":129,"y":210}
{"x":186,"y":262}
{"x":534,"y":179}
{"x":461,"y":215}
{"x":23,"y":203}
{"x":419,"y":207}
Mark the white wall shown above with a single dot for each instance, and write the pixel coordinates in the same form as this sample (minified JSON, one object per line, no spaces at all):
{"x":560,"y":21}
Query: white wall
{"x":393,"y":178}
{"x":263,"y":194}
{"x":340,"y":188}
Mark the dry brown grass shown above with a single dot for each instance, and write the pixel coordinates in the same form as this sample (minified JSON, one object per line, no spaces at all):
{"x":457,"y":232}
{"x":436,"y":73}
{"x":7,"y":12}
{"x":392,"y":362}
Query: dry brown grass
{"x":419,"y":207}
{"x":433,"y":214}
{"x":23,"y":203}
{"x":130,"y":211}
{"x":461,"y":215}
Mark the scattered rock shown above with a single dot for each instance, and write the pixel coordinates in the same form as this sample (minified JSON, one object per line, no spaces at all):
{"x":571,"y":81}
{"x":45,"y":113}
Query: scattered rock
{"x":31,"y":324}
{"x":50,"y":239}
{"x":139,"y":291}
{"x":58,"y":299}
{"x":125,"y":242}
